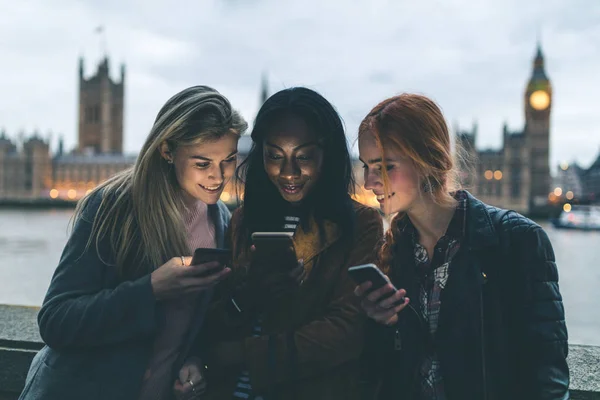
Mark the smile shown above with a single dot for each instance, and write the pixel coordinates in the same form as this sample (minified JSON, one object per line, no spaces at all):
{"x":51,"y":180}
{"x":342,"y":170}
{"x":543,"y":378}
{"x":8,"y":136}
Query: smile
{"x":212,"y":189}
{"x":291,"y":189}
{"x":381,"y":197}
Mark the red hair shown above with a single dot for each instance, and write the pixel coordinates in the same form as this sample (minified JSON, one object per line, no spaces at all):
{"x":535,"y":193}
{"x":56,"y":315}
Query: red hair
{"x":415,"y":126}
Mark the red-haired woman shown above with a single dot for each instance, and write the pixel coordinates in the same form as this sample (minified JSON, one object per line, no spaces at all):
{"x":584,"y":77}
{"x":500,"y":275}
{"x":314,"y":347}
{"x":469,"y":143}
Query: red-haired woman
{"x":482,"y":316}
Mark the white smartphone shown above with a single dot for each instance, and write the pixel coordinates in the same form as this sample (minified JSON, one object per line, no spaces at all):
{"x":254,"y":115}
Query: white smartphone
{"x":370,"y":272}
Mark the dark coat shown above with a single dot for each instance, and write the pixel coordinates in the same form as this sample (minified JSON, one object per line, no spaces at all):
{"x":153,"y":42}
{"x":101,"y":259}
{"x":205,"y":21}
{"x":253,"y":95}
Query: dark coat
{"x":99,"y":329}
{"x":312,"y":339}
{"x":501,"y":331}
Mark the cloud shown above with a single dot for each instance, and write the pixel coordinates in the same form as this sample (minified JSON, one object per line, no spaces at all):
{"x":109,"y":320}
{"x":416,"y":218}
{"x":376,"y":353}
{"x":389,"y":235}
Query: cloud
{"x":473,"y":58}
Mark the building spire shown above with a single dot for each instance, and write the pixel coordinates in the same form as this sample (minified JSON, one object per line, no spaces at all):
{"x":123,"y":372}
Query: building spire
{"x":101,"y":33}
{"x":539,"y":73}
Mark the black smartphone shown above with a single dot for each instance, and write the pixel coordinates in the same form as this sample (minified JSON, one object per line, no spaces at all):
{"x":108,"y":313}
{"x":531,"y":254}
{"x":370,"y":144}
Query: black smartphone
{"x":370,"y":272}
{"x":274,"y":250}
{"x":206,"y":255}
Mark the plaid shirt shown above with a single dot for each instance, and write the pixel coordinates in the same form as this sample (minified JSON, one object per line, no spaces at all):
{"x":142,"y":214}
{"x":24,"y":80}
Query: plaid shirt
{"x":433,"y":274}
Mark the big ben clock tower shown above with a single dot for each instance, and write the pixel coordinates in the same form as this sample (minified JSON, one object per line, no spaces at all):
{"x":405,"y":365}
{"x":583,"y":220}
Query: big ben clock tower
{"x":538,"y":103}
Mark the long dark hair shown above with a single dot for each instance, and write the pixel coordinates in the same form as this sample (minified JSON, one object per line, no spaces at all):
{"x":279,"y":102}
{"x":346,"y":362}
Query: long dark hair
{"x":330,"y":199}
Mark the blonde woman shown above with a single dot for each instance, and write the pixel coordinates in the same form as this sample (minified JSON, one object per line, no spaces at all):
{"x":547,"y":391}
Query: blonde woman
{"x":124,"y":304}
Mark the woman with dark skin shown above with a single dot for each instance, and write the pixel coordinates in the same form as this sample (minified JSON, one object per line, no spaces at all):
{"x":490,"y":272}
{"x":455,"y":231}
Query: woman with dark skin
{"x":293,"y":335}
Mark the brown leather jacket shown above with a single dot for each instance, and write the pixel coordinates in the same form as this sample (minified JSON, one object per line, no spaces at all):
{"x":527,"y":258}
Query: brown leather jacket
{"x":312,"y":340}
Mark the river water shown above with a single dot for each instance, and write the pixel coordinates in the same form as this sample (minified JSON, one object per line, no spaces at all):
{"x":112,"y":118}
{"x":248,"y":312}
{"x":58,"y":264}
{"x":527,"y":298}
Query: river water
{"x":31,"y":242}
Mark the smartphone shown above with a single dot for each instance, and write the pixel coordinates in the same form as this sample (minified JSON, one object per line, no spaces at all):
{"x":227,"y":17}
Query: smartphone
{"x":370,"y":272}
{"x":206,"y":255}
{"x":274,"y":250}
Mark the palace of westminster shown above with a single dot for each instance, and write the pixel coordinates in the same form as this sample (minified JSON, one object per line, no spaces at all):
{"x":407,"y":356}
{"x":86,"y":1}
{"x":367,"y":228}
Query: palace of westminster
{"x":515,"y":176}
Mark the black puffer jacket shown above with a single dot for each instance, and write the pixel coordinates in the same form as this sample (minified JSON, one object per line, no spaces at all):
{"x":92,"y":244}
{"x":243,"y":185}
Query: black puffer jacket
{"x":501,"y":331}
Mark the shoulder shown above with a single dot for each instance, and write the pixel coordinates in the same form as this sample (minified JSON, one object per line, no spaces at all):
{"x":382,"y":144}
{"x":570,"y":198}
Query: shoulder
{"x":521,"y":233}
{"x":367,"y":216}
{"x":364,"y":211}
{"x":98,"y":199}
{"x":511,"y":222}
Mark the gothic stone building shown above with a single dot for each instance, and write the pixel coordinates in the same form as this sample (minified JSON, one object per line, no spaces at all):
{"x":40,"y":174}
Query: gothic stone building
{"x":517,"y":176}
{"x":28,"y":170}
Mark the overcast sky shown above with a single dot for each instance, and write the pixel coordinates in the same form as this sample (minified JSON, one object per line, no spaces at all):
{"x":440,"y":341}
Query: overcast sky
{"x":473,"y":57}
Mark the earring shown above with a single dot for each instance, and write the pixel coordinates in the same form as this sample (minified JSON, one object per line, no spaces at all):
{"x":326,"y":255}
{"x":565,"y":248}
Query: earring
{"x":169,"y":161}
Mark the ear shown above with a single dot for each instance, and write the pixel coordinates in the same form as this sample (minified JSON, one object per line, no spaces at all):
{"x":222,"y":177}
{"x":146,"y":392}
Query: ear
{"x":165,"y":152}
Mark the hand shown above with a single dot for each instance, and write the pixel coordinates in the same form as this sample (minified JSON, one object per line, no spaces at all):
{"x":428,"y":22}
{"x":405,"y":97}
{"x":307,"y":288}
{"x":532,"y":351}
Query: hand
{"x":379,"y":308}
{"x":260,"y":289}
{"x":174,"y":278}
{"x":228,"y":354}
{"x":191,"y":383}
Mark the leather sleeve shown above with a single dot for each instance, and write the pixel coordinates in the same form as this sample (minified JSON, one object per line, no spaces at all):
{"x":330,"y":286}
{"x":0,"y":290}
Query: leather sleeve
{"x":543,"y":361}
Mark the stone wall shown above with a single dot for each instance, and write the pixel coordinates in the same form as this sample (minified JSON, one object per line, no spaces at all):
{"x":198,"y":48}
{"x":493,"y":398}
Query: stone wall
{"x":19,"y":342}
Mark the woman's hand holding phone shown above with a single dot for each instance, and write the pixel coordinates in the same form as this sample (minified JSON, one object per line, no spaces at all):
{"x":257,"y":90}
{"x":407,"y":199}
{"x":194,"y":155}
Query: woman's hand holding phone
{"x":379,"y":305}
{"x":177,"y":277}
{"x":261,"y":288}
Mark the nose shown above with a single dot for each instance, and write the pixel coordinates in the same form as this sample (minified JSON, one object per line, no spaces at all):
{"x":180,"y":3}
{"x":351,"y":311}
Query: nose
{"x":289,"y":170}
{"x":372,"y":179}
{"x":216,"y":173}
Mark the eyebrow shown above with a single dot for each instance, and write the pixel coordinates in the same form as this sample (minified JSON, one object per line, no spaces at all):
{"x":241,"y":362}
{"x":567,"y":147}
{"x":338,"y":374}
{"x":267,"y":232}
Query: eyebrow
{"x":210,"y":159}
{"x":376,"y":160}
{"x":314,"y":143}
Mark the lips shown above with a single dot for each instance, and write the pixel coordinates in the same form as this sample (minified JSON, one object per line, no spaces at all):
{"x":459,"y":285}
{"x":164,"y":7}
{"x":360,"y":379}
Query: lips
{"x":381,"y":197}
{"x":291,"y":188}
{"x":212,"y":189}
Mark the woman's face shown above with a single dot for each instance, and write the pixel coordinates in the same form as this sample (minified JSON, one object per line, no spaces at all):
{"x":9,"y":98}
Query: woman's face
{"x":292,"y":157}
{"x":204,"y":170}
{"x":402,"y":177}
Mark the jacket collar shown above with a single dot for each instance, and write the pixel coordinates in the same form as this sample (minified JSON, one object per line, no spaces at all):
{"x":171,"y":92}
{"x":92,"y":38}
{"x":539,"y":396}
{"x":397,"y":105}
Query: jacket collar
{"x":480,"y":229}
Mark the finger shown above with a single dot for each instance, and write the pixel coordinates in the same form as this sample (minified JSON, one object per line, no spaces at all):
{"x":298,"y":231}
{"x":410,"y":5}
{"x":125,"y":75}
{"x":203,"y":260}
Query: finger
{"x":392,"y":320}
{"x":192,"y":282}
{"x":184,"y":374}
{"x":375,"y":295}
{"x":186,"y":387}
{"x":393,"y":299}
{"x":384,"y":316}
{"x":362,"y":288}
{"x":178,"y":389}
{"x":202,"y":268}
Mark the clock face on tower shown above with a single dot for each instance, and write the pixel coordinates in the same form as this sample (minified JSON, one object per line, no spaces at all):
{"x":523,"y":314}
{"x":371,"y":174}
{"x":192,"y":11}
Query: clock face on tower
{"x":539,"y":100}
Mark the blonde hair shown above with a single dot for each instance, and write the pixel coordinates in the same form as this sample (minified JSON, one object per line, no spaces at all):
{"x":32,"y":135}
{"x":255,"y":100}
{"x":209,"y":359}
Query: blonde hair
{"x":414,"y":125}
{"x":140,"y":211}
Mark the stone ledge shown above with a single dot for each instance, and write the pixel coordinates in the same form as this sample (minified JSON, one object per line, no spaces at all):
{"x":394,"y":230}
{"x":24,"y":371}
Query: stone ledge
{"x":20,"y":340}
